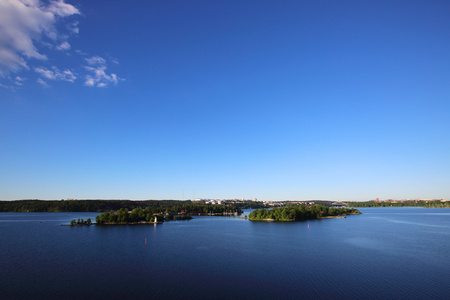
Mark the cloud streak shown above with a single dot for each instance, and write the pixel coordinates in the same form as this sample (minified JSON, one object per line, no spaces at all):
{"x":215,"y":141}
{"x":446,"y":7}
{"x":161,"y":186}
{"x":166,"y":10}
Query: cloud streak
{"x":56,"y":74}
{"x":31,"y":38}
{"x":98,"y":77}
{"x":24,"y":23}
{"x":63,"y":46}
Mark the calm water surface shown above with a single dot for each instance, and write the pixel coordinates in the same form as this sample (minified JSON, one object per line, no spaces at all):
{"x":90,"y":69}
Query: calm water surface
{"x":386,"y":253}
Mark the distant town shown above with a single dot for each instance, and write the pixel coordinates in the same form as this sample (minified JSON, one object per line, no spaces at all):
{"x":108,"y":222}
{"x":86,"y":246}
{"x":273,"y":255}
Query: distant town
{"x":409,"y":200}
{"x":266,"y":203}
{"x":405,"y":202}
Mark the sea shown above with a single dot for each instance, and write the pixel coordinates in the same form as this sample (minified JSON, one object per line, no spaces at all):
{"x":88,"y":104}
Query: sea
{"x":385,"y":253}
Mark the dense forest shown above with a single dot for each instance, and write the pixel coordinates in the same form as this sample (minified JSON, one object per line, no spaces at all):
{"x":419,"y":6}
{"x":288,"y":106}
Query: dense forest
{"x":122,"y":216}
{"x":437,"y":204}
{"x":136,"y":216}
{"x":154,"y":206}
{"x":301,"y":212}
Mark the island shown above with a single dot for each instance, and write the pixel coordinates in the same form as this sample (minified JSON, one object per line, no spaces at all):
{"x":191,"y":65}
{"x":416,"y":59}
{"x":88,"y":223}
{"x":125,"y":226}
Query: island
{"x":300,"y":213}
{"x":81,"y":222}
{"x":138,"y":216}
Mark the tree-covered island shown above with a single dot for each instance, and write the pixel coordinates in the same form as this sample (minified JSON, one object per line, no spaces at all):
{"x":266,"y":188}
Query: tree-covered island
{"x":138,"y":216}
{"x":148,"y":215}
{"x":299,"y":213}
{"x":123,"y":216}
{"x":81,"y":222}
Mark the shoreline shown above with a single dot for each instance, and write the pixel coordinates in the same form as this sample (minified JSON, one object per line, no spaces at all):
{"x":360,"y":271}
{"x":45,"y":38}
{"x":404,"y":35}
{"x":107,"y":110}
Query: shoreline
{"x":109,"y":224}
{"x":300,"y":220}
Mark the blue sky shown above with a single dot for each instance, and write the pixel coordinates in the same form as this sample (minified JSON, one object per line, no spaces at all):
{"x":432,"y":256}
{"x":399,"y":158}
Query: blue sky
{"x":275,"y":100}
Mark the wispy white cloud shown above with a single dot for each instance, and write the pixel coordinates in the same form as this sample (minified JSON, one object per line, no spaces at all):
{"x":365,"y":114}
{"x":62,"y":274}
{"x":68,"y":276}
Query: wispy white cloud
{"x":29,"y":35}
{"x":58,"y":8}
{"x":56,"y":74}
{"x":98,"y":77}
{"x":42,"y":82}
{"x":19,"y":80}
{"x":79,"y":52}
{"x":73,"y":27}
{"x":63,"y":46}
{"x":10,"y":62}
{"x":22,"y":24}
{"x":13,"y":83}
{"x":96,"y":60}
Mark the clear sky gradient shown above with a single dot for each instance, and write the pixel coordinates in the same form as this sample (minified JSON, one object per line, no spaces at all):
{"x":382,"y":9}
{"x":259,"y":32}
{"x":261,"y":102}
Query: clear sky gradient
{"x":275,"y":100}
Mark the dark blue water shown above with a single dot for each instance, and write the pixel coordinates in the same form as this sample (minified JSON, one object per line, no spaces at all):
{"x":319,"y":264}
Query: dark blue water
{"x":386,"y":253}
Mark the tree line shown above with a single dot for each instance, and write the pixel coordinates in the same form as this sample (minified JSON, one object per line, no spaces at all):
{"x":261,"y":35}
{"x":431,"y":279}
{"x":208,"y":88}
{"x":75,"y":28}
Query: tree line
{"x":137,"y":215}
{"x":123,"y":216}
{"x":437,"y":204}
{"x":80,"y":222}
{"x":155,"y":206}
{"x":177,"y":212}
{"x":301,"y":212}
